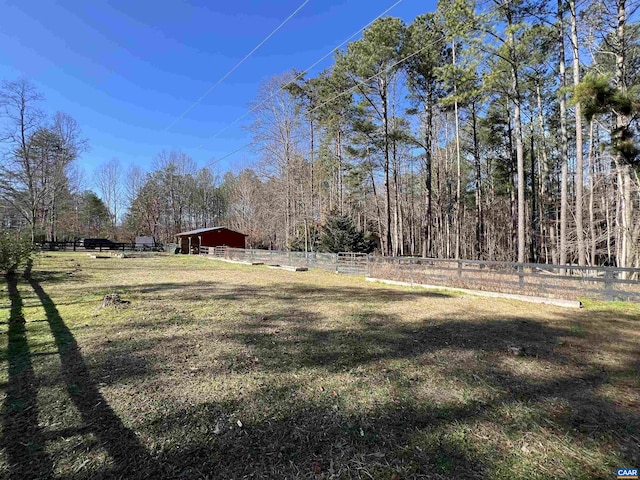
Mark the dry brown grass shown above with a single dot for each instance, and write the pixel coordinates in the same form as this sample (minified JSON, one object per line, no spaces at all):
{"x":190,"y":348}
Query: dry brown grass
{"x":217,"y":370}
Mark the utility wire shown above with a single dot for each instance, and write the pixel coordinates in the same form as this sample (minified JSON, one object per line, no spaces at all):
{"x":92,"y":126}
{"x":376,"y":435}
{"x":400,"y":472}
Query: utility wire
{"x":300,"y":75}
{"x":213,"y":162}
{"x":226,"y":75}
{"x":362,"y":82}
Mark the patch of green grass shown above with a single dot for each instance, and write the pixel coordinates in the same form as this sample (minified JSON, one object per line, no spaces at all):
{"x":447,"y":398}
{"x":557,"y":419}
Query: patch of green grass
{"x":627,"y":307}
{"x":216,"y":370}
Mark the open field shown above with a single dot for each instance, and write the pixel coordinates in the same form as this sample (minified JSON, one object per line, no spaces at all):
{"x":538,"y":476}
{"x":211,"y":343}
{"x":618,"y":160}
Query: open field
{"x":215,"y":370}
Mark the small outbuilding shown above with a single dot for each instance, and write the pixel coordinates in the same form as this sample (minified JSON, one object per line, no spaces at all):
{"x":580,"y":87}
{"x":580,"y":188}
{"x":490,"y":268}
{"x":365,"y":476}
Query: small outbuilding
{"x":191,"y":241}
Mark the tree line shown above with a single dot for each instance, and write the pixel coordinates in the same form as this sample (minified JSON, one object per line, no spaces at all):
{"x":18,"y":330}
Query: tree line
{"x":503,"y":130}
{"x":498,"y":130}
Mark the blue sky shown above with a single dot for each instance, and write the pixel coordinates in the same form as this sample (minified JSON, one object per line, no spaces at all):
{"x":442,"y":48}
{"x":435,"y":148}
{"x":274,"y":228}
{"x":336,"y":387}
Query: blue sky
{"x":126,"y":70}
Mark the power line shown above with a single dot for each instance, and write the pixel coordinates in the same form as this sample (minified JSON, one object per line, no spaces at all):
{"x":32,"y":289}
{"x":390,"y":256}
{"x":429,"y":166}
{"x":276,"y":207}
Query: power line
{"x":362,"y":82}
{"x":226,"y":75}
{"x":330,"y":52}
{"x":432,"y":44}
{"x":217,"y":160}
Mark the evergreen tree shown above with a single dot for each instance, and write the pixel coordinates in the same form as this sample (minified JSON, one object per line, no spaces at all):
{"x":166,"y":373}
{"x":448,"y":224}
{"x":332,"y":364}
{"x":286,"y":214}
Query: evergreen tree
{"x":340,"y":234}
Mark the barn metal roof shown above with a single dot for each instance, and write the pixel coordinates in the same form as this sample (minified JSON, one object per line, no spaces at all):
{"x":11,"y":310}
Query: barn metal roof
{"x":202,"y":230}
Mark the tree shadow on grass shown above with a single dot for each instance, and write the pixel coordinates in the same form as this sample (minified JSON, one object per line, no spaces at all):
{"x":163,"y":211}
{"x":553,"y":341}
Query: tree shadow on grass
{"x":410,"y":437}
{"x":98,"y":418}
{"x":590,"y":415}
{"x":383,"y":337}
{"x":212,"y":290}
{"x":22,"y":437}
{"x":293,"y":438}
{"x":314,"y":441}
{"x":406,"y":435}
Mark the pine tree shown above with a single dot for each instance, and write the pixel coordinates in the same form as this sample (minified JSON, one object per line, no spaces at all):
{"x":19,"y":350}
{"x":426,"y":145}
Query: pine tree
{"x":340,"y":234}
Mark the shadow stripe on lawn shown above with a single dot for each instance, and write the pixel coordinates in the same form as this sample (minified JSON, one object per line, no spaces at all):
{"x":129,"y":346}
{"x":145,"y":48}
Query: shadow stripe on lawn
{"x":121,"y":443}
{"x":22,"y":437}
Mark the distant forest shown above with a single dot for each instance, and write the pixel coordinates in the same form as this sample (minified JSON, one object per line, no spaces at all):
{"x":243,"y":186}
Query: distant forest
{"x":501,"y":130}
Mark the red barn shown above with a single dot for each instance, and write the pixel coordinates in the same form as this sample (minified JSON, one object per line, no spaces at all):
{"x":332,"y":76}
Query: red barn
{"x":191,"y":241}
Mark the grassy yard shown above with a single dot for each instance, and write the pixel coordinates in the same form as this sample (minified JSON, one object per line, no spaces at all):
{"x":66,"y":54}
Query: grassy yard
{"x":221,"y":371}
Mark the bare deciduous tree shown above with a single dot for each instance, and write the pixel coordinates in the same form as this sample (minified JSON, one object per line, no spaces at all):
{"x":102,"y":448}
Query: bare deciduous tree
{"x":108,"y":179}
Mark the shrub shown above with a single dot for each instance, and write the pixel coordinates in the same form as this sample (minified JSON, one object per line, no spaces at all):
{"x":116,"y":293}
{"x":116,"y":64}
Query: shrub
{"x":14,"y":252}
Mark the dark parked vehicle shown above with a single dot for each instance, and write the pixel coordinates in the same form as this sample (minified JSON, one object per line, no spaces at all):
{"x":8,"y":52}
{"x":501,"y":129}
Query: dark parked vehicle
{"x":102,"y":243}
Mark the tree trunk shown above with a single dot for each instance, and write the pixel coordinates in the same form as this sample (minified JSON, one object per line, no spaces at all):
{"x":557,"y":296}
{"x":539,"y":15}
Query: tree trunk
{"x":428,"y":158}
{"x":592,"y":187}
{"x":533,"y":250}
{"x":579,"y":154}
{"x":622,"y":122}
{"x":512,"y":195}
{"x":478,"y":192}
{"x":387,"y":183}
{"x":520,"y":172}
{"x":340,"y":180}
{"x":458,"y":159}
{"x":375,"y":197}
{"x":564,"y":138}
{"x":543,"y":178}
{"x":517,"y":117}
{"x":396,"y":205}
{"x":311,"y":184}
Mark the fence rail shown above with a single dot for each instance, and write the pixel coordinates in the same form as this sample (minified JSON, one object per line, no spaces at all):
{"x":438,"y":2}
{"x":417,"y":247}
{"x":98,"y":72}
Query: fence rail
{"x":79,"y":246}
{"x":345,"y":262}
{"x":350,"y":262}
{"x":552,"y":281}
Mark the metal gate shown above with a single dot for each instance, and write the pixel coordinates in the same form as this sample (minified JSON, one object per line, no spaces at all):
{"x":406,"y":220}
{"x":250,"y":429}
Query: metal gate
{"x":350,"y":262}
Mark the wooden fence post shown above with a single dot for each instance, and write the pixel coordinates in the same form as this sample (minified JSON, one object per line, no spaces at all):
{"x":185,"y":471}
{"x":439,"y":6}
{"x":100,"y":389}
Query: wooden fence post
{"x":609,"y":293}
{"x":411,"y":267}
{"x":521,"y":275}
